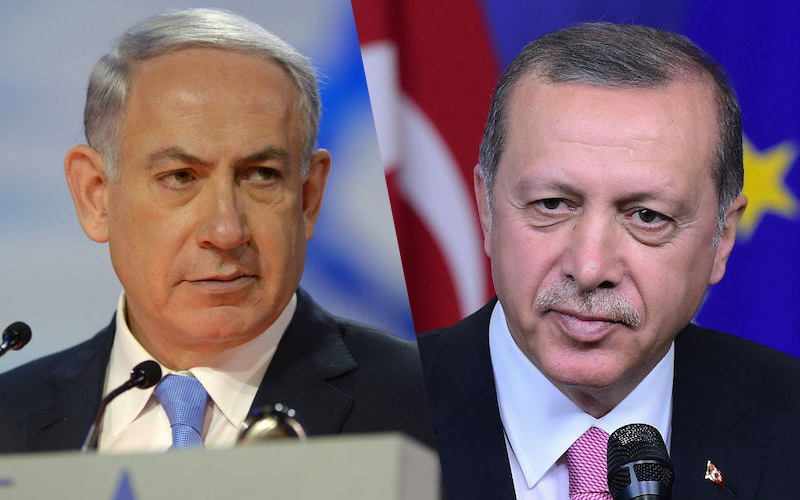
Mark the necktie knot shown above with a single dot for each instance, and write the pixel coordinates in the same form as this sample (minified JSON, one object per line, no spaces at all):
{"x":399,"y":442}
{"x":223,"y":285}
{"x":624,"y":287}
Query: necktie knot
{"x":586,"y":462}
{"x":184,"y":401}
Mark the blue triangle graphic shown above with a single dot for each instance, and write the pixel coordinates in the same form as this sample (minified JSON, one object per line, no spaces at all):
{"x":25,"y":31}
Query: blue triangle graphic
{"x":124,"y":489}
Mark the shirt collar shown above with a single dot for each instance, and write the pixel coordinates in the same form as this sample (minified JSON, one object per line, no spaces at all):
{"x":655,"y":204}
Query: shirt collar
{"x":541,"y":423}
{"x":230,"y":378}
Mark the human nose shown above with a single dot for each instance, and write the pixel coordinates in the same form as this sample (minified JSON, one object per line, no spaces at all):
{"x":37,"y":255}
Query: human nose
{"x":593,"y":257}
{"x":224,"y":224}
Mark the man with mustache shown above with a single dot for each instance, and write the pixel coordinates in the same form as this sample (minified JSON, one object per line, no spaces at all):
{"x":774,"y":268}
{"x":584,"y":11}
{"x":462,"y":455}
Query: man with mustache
{"x":203,"y":176}
{"x":609,"y":189}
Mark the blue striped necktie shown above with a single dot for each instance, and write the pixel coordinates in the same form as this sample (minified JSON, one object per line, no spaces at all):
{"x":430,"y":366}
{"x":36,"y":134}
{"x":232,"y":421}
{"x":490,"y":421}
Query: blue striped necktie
{"x":184,"y":400}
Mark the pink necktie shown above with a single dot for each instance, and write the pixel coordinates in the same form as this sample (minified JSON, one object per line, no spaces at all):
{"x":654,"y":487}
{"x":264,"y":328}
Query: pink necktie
{"x":586,"y":461}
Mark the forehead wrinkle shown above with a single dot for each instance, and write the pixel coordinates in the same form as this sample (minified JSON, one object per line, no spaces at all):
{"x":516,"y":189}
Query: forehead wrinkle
{"x":267,"y":154}
{"x":632,"y":149}
{"x":633,"y":140}
{"x":655,"y":195}
{"x":524,"y":183}
{"x":176,"y":153}
{"x":548,"y":187}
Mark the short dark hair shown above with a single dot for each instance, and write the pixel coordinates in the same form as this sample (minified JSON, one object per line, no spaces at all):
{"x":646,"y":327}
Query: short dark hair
{"x":620,"y":56}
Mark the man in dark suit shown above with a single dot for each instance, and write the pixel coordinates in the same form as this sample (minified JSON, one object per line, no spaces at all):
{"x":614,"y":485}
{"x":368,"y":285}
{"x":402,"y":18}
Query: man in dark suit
{"x":609,"y":189}
{"x":202,"y":175}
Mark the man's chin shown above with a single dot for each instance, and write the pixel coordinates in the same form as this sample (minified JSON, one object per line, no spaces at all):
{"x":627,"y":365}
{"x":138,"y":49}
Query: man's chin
{"x":595,"y":393}
{"x":591,"y":383}
{"x":589,"y":372}
{"x":221,"y":324}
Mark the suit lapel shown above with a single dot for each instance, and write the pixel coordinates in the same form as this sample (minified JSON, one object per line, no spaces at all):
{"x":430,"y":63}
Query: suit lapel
{"x":466,"y":417}
{"x":311,"y":352}
{"x":76,"y":386}
{"x":706,"y":414}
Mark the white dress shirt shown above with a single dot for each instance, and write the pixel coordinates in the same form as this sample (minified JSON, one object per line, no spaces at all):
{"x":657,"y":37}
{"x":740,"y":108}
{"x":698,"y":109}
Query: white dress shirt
{"x":135,"y":421}
{"x":541,"y":423}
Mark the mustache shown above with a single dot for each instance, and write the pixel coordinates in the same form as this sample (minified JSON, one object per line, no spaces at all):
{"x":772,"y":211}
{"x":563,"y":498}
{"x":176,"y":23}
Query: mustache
{"x":603,"y":302}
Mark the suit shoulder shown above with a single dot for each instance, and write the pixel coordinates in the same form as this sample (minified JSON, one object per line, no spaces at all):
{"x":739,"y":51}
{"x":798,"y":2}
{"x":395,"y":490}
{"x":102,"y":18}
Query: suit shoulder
{"x":41,"y":368}
{"x":720,"y":350}
{"x":461,"y":341}
{"x":754,"y":368}
{"x":371,"y":345}
{"x":430,"y":339}
{"x":387,"y":384}
{"x":743,"y":391}
{"x":429,"y":344}
{"x":28,"y":386}
{"x":312,"y":325}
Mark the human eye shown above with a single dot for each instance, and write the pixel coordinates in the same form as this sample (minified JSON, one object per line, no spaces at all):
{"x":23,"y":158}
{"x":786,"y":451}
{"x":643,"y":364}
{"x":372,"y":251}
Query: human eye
{"x":549,"y":211}
{"x":261,"y":175}
{"x":649,"y":226}
{"x":553,"y":205}
{"x":649,"y":217}
{"x":177,"y":180}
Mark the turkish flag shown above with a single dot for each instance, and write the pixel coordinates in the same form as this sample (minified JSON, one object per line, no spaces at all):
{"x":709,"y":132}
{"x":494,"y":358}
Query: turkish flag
{"x":416,"y":52}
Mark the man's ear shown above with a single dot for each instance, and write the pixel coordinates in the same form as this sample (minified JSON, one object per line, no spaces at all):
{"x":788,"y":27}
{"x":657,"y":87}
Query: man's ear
{"x":314,"y":188}
{"x":88,"y":184}
{"x":483,"y":209}
{"x":727,"y":239}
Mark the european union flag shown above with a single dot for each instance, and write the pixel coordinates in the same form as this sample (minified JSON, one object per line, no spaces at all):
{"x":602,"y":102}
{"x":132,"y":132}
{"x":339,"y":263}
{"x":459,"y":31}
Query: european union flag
{"x":759,"y":45}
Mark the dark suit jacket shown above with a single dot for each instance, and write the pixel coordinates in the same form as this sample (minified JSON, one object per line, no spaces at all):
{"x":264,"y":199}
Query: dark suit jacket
{"x":735,"y":403}
{"x":340,"y":377}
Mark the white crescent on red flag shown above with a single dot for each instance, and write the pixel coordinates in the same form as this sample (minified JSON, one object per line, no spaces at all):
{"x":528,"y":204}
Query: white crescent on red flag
{"x":415,"y":52}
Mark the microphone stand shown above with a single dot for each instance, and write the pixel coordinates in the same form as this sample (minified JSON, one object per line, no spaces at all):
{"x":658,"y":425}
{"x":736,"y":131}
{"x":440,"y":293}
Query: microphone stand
{"x":145,"y":374}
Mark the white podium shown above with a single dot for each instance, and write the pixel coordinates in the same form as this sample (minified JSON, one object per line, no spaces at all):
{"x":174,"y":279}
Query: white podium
{"x":379,"y":466}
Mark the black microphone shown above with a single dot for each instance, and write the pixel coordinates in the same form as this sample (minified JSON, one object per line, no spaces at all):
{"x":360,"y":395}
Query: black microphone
{"x":145,"y":374}
{"x":15,"y":337}
{"x":638,"y":464}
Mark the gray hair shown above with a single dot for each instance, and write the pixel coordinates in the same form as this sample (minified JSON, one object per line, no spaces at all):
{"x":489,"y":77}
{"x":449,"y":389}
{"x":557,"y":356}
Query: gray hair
{"x":111,"y":77}
{"x":620,"y":56}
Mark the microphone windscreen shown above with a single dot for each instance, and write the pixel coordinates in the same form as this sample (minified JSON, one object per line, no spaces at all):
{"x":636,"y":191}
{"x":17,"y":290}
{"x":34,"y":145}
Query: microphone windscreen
{"x":20,"y":331}
{"x":149,"y":372}
{"x":632,"y":443}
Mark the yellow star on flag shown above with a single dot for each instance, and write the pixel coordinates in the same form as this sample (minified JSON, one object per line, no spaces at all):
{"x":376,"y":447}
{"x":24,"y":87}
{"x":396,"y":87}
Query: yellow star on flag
{"x":764,"y":186}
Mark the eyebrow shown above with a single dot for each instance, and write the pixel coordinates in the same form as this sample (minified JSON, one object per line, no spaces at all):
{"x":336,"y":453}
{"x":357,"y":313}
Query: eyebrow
{"x":176,"y":153}
{"x":526,"y":185}
{"x":674,"y":202}
{"x":631,"y":196}
{"x":266,"y":154}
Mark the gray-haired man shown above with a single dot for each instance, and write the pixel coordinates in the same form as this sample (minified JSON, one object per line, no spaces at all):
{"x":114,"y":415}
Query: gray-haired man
{"x":609,"y":188}
{"x":202,"y":175}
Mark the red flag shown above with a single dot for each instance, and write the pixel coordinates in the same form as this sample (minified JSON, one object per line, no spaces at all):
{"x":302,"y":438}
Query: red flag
{"x":415,"y":53}
{"x":714,"y":475}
